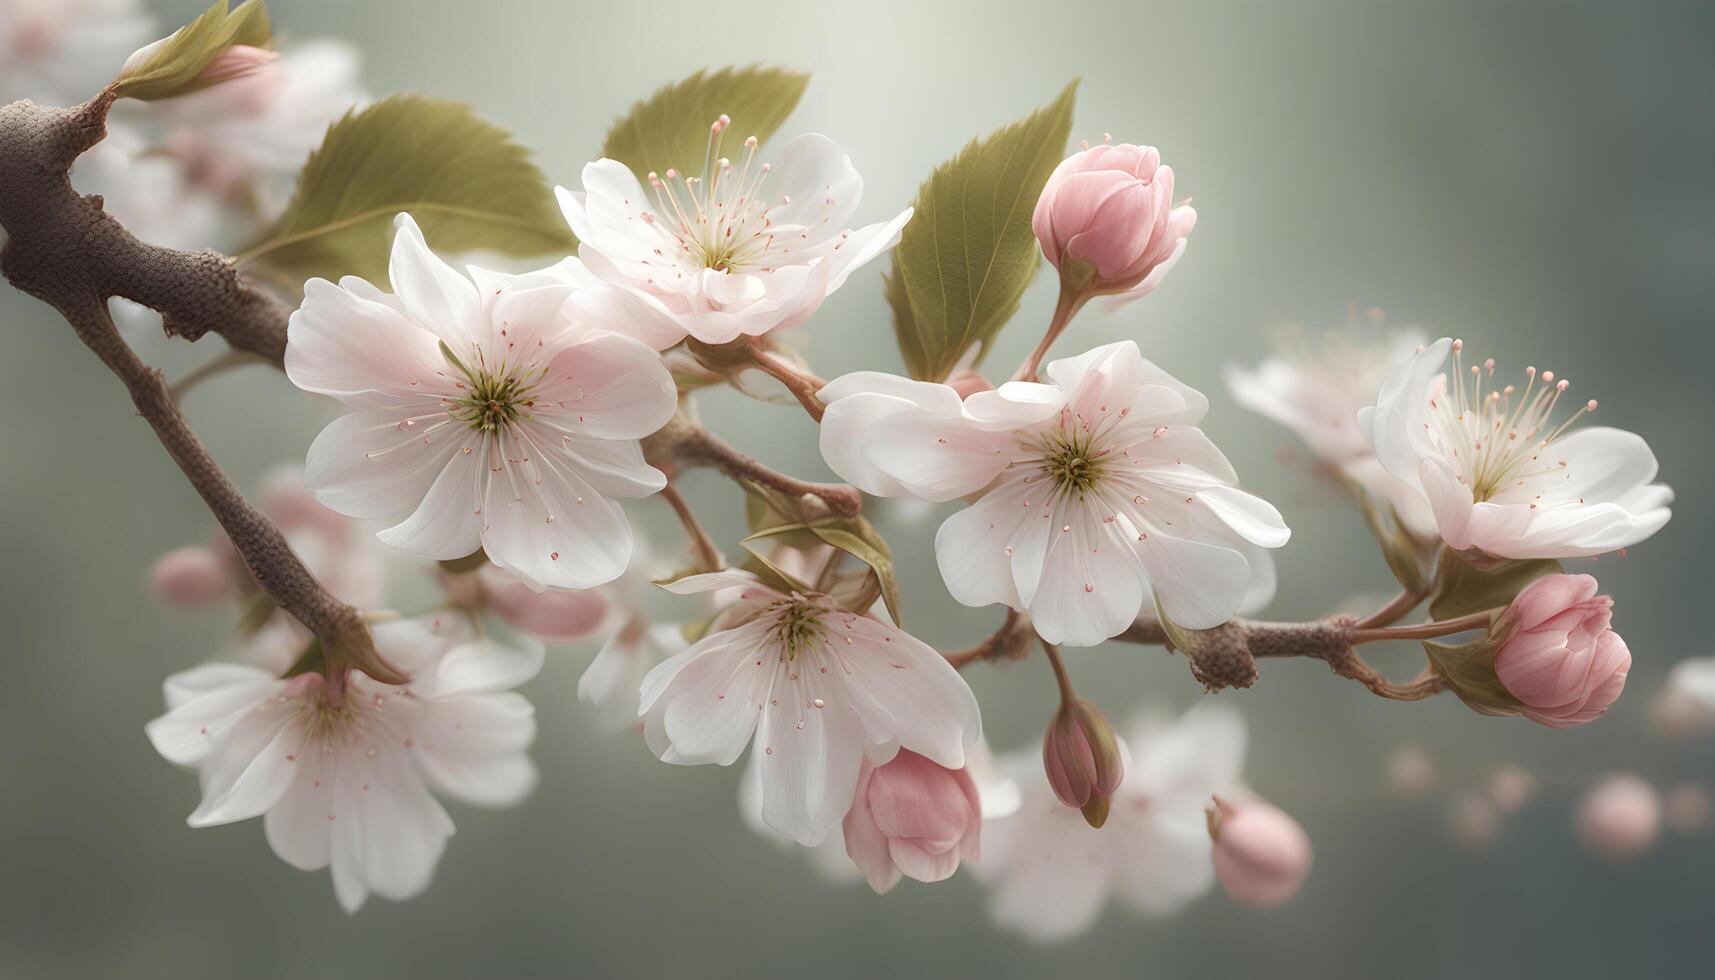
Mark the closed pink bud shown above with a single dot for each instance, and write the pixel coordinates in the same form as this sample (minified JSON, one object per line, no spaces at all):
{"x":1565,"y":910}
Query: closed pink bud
{"x":1081,"y":755}
{"x":912,"y":818}
{"x":190,"y":576}
{"x":1620,"y":817}
{"x":1560,"y":659}
{"x":1261,"y":855}
{"x":236,"y":62}
{"x":554,"y":615}
{"x":1110,"y":208}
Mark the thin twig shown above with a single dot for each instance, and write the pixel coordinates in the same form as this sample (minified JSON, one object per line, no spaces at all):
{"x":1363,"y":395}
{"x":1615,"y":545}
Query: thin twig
{"x":685,"y":443}
{"x":709,"y":557}
{"x":202,"y":372}
{"x":1010,"y":642}
{"x":1067,"y":307}
{"x":802,"y":384}
{"x":1397,"y":607}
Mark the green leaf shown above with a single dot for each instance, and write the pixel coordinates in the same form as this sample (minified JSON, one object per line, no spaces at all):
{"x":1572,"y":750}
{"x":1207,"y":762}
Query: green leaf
{"x":1462,"y":588}
{"x":671,"y":127}
{"x":465,"y":182}
{"x":1469,"y":671}
{"x":853,"y":535}
{"x":176,"y":64}
{"x":965,"y":259}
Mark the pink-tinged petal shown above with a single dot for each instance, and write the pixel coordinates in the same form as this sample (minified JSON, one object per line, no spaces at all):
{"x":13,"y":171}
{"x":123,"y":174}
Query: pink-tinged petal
{"x":615,"y":468}
{"x":1056,"y":890}
{"x":1198,"y":585}
{"x":1090,"y":589}
{"x":816,"y":177}
{"x":297,"y":827}
{"x":703,"y":705}
{"x":548,"y":524}
{"x":479,"y":667}
{"x":364,"y":353}
{"x":609,"y":387}
{"x":1397,"y":425}
{"x":379,"y":463}
{"x":863,"y":245}
{"x":935,"y":458}
{"x":624,"y":311}
{"x":905,"y":693}
{"x":434,"y":294}
{"x":1165,"y":863}
{"x":203,"y":704}
{"x":973,"y":547}
{"x":858,"y":401}
{"x":252,"y":767}
{"x":472,"y":748}
{"x":811,"y":758}
{"x":1013,"y":405}
{"x":866,"y":845}
{"x":447,"y":522}
{"x":1449,"y":499}
{"x":388,"y":833}
{"x":553,"y":615}
{"x":1250,"y":517}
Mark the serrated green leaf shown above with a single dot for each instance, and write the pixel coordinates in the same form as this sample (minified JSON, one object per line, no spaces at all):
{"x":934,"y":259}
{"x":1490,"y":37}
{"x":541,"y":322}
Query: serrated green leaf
{"x":1462,"y":588}
{"x":671,"y":127}
{"x":853,"y":535}
{"x":964,"y":261}
{"x":464,"y":180}
{"x":176,"y":66}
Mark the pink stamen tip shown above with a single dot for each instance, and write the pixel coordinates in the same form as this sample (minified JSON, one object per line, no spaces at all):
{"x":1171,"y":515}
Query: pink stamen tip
{"x":1590,"y":406}
{"x":750,"y":142}
{"x":1530,"y":371}
{"x":1563,"y":385}
{"x":1107,"y":137}
{"x":672,"y":174}
{"x":1458,"y":345}
{"x":1489,"y":365}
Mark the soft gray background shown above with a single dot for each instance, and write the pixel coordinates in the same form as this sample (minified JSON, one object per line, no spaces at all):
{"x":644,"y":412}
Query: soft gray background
{"x":1533,"y":176}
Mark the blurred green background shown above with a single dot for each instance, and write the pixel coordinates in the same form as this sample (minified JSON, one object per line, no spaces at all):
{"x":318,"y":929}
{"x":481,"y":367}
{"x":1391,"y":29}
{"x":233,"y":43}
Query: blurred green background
{"x":1536,"y":177}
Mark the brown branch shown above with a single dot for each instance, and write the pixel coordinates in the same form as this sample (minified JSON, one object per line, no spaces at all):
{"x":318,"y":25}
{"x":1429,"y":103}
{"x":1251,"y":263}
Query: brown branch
{"x":801,"y":384}
{"x":1226,"y":655}
{"x":64,"y":244}
{"x":1010,"y":642}
{"x":683,"y":442}
{"x":64,"y":250}
{"x":708,"y":554}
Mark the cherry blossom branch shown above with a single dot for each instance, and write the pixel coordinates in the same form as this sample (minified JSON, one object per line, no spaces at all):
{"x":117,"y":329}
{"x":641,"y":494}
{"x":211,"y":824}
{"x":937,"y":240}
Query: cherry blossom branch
{"x":1226,"y":655}
{"x":1010,"y":642}
{"x":709,"y":557}
{"x":1396,"y":608}
{"x":682,"y":442}
{"x":802,"y":384}
{"x":64,"y":250}
{"x":1425,"y":631}
{"x":66,"y":243}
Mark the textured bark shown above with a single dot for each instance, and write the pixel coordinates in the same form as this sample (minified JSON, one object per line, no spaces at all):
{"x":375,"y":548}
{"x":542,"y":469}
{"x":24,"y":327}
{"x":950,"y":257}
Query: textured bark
{"x":65,"y":250}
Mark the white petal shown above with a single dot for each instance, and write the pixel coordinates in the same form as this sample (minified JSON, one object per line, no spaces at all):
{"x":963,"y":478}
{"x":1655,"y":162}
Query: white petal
{"x":364,"y":353}
{"x":434,"y":294}
{"x":810,"y":760}
{"x":446,"y":523}
{"x":480,"y":667}
{"x":703,"y":705}
{"x":1251,"y":517}
{"x":205,"y":702}
{"x":379,"y":463}
{"x":1396,"y":423}
{"x":824,"y":189}
{"x":472,"y":747}
{"x":856,"y":402}
{"x":252,"y":766}
{"x":1091,"y":587}
{"x":935,"y":458}
{"x":862,"y":245}
{"x":629,"y":312}
{"x":973,"y":546}
{"x":609,"y":387}
{"x":1199,"y":585}
{"x":905,"y":692}
{"x":548,"y":524}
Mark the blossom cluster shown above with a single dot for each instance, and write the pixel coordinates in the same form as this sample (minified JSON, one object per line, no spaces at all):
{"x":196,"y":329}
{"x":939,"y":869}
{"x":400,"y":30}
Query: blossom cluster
{"x":497,"y":423}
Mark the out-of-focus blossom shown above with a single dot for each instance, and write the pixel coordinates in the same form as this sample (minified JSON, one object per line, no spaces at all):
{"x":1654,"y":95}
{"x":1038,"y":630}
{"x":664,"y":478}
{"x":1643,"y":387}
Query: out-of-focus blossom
{"x":1620,"y":817}
{"x":912,"y":818}
{"x":744,"y":250}
{"x":1317,"y":387}
{"x":819,"y":690}
{"x":1685,"y":705}
{"x":483,"y":411}
{"x":1098,"y":491}
{"x":1411,"y":771}
{"x":1686,"y":808}
{"x":1106,"y":220}
{"x":1261,"y":855}
{"x":1501,"y":476}
{"x":250,"y":134}
{"x":62,"y":52}
{"x":1510,"y":788}
{"x":1051,"y":872}
{"x":346,"y":777}
{"x":1474,"y":821}
{"x":190,"y":576}
{"x":1559,"y":658}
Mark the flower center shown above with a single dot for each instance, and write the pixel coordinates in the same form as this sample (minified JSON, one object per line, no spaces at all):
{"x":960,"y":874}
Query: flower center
{"x":798,"y":626}
{"x":722,"y":222}
{"x":1498,"y":437}
{"x":492,"y":398}
{"x":1073,"y":454}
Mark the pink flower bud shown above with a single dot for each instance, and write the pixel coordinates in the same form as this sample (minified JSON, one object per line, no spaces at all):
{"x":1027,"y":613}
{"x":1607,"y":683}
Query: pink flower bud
{"x":1261,"y":855}
{"x":1082,"y":759}
{"x":238,"y":61}
{"x":1110,"y":208}
{"x":1560,"y":659}
{"x":554,"y":615}
{"x":1620,"y":817}
{"x":189,"y":576}
{"x":912,"y":818}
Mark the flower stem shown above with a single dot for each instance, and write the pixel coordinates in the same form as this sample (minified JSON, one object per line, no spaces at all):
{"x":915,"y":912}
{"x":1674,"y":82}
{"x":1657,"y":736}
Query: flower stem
{"x":708,"y":555}
{"x":684,"y":442}
{"x":1065,"y":309}
{"x":1425,"y":631}
{"x":1067,"y":695}
{"x":802,"y":384}
{"x":1398,"y":606}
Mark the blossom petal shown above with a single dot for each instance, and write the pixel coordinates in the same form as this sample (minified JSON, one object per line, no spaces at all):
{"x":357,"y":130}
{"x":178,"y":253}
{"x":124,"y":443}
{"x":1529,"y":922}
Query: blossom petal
{"x":472,"y":747}
{"x":433,"y":293}
{"x":379,"y":463}
{"x":364,"y":353}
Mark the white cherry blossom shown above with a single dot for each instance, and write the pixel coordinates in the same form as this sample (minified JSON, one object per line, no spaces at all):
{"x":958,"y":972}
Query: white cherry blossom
{"x":746,"y":249}
{"x":817,"y":688}
{"x":62,"y":52}
{"x":1501,"y":476}
{"x":1317,"y":386}
{"x":1051,"y":873}
{"x":1098,"y":489}
{"x":347,"y":779}
{"x":487,"y":415}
